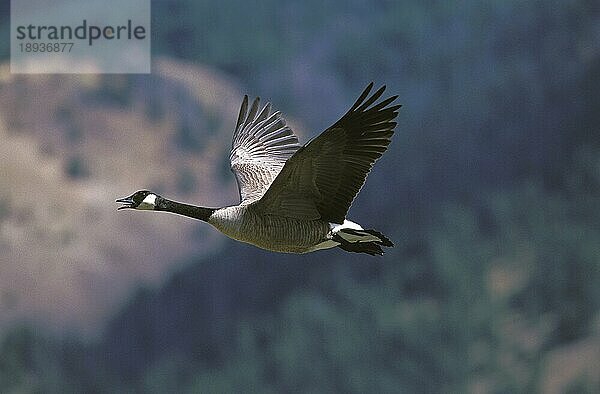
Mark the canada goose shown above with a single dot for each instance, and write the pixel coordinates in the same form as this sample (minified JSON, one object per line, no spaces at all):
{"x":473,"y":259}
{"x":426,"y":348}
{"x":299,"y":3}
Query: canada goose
{"x":295,"y":199}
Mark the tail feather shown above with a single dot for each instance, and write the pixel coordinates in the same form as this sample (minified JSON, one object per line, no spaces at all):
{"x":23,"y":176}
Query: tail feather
{"x":361,"y":241}
{"x":362,"y":247}
{"x":368,"y":235}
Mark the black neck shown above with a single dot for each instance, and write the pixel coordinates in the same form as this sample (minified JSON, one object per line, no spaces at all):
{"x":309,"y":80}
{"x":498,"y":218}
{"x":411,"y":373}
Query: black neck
{"x":191,"y":211}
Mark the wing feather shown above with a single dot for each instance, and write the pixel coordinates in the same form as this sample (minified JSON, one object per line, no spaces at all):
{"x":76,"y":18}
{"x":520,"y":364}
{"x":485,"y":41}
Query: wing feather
{"x":262,"y":143}
{"x":322,"y":178}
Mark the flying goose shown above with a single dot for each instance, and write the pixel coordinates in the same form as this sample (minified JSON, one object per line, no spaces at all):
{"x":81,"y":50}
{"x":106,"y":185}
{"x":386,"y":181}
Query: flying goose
{"x":294,"y":199}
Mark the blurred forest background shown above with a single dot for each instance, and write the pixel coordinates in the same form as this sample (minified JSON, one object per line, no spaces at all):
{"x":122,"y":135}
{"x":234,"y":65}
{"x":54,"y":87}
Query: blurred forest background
{"x":490,"y":191}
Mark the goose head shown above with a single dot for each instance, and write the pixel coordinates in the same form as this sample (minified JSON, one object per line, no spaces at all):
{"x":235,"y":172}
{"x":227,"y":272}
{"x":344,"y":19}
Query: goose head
{"x":142,"y":200}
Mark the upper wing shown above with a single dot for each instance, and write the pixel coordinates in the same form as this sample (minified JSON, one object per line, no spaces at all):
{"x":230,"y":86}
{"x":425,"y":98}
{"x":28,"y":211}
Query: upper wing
{"x":261,"y":145}
{"x":323,"y":177}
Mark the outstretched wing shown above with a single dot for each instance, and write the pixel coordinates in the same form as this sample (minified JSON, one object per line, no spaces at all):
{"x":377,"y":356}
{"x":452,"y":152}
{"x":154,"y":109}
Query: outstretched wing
{"x":262,"y":143}
{"x":323,"y":177}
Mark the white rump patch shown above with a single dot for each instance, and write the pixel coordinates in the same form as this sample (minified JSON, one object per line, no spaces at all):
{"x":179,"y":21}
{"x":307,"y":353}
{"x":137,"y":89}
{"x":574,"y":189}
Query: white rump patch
{"x":148,"y":203}
{"x":335,"y":227}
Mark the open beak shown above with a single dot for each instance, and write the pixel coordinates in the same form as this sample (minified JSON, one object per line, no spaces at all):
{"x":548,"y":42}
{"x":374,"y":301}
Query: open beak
{"x":126,"y":201}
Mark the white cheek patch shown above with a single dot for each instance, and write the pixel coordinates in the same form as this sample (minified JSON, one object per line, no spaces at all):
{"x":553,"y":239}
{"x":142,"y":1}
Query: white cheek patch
{"x":148,"y":203}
